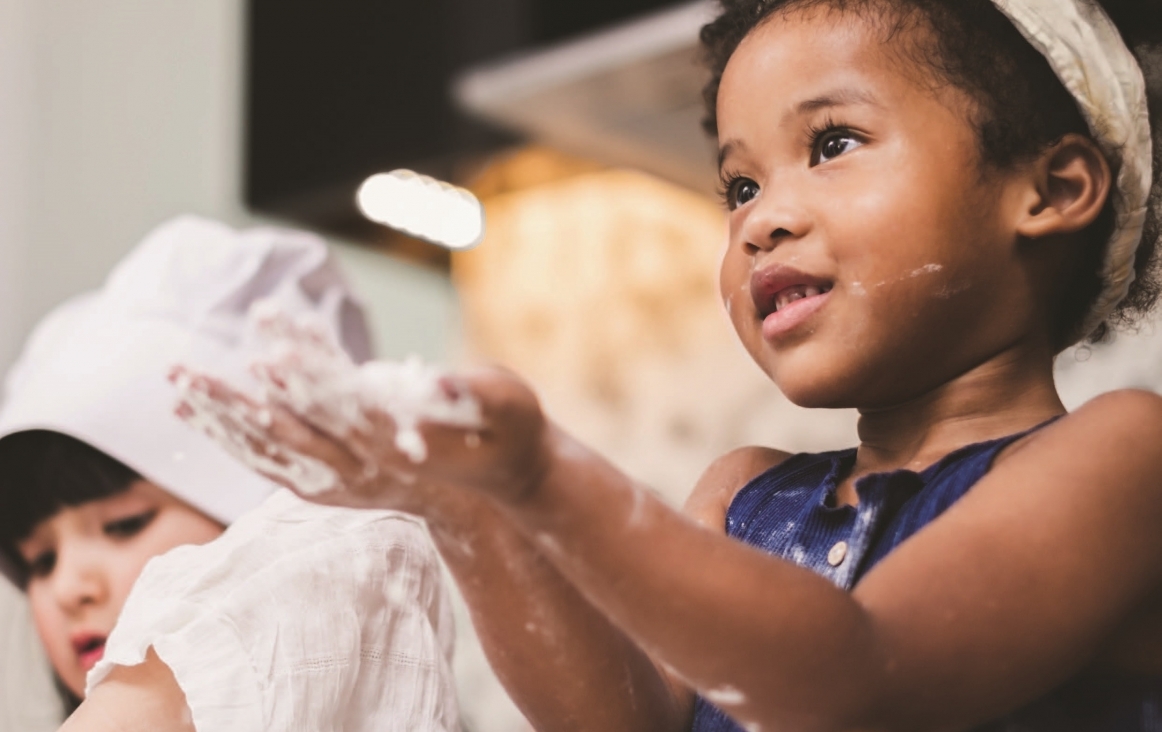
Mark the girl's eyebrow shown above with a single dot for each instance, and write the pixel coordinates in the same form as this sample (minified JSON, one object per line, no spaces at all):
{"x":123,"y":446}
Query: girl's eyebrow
{"x":844,"y":97}
{"x":727,"y":148}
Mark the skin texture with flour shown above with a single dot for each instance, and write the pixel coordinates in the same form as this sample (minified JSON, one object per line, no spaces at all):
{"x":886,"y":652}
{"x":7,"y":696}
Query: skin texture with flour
{"x":601,"y":608}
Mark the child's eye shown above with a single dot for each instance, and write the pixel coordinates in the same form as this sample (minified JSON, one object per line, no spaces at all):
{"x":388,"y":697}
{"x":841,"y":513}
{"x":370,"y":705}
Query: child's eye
{"x":42,"y":564}
{"x":129,"y":526}
{"x":739,"y":191}
{"x":833,"y":143}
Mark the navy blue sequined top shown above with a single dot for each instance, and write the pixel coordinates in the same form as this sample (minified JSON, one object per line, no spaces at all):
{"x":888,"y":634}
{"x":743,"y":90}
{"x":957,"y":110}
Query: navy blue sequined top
{"x":791,"y":512}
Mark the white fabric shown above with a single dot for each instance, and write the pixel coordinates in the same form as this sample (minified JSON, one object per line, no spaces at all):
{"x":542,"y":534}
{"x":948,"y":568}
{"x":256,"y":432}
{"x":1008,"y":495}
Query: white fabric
{"x":95,"y":367}
{"x":1090,"y":58}
{"x":300,"y":617}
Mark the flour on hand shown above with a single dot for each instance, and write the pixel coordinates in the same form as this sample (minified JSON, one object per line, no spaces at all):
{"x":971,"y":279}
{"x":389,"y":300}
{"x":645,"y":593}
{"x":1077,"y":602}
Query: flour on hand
{"x":305,"y":372}
{"x":239,"y":428}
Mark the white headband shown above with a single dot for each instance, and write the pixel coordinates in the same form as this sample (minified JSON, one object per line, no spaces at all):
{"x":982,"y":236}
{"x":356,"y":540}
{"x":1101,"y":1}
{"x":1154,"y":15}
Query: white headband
{"x":1090,"y":58}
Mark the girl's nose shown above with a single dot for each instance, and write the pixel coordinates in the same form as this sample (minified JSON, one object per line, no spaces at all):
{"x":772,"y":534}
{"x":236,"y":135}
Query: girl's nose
{"x":77,"y":580}
{"x":774,"y":217}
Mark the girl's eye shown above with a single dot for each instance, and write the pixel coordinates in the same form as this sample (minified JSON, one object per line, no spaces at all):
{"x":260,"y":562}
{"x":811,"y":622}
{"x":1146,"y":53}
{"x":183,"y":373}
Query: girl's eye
{"x":833,"y":144}
{"x":129,"y":526}
{"x":739,"y":192}
{"x":42,"y":564}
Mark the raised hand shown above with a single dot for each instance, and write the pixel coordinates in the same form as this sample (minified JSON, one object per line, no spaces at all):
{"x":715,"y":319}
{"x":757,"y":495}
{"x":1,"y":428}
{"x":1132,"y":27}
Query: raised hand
{"x":380,"y":434}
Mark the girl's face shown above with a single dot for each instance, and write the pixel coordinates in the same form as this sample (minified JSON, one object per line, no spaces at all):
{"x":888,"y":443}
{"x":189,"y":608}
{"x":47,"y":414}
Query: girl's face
{"x":84,"y":560}
{"x":872,"y":257}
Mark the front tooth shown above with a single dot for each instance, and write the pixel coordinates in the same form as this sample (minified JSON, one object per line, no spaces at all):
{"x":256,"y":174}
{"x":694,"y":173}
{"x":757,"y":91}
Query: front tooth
{"x":791,"y":294}
{"x":785,"y":298}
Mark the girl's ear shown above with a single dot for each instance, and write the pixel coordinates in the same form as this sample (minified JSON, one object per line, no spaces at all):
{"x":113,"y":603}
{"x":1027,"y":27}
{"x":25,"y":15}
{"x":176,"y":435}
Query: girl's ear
{"x":1070,"y":185}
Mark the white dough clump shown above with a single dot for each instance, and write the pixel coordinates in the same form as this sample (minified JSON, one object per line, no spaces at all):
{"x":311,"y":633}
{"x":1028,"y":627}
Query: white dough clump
{"x":310,"y":375}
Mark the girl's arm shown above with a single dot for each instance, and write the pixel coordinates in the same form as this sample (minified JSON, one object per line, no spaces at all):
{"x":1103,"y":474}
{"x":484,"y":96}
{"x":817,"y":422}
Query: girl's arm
{"x":1013,"y":590}
{"x":564,"y":664}
{"x":142,"y":698}
{"x":562,"y":661}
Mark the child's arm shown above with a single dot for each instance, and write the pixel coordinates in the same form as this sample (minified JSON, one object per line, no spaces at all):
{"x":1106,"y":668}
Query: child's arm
{"x":565,"y":665}
{"x":142,"y":698}
{"x":1013,"y":590}
{"x":562,"y":661}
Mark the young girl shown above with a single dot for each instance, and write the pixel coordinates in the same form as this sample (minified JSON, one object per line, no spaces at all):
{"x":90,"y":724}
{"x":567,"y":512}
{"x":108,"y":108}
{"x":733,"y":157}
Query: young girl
{"x":928,"y":201}
{"x":112,"y":515}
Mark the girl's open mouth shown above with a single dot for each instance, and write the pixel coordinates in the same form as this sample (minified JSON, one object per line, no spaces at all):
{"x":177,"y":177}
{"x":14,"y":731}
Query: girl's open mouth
{"x":89,"y":649}
{"x":785,"y":298}
{"x":796,"y":309}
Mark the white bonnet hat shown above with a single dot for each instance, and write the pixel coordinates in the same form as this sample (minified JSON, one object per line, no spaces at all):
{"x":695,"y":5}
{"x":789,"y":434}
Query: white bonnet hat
{"x":95,"y":368}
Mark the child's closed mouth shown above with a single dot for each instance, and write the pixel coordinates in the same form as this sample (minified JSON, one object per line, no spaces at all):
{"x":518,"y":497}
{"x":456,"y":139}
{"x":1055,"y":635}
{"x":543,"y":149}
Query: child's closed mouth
{"x":89,"y":647}
{"x":785,"y":298}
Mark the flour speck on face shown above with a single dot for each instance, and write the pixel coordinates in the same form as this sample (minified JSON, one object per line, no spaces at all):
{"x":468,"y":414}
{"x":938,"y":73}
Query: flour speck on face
{"x":926,"y":269}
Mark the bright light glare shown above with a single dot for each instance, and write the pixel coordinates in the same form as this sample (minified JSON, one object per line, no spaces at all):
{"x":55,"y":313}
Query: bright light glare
{"x":423,"y":207}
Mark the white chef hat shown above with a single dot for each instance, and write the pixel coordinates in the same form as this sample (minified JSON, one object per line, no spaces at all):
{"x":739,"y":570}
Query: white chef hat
{"x":95,"y":368}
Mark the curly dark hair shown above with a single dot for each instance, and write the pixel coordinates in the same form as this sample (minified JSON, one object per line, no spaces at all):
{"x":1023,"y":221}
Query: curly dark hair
{"x":1021,"y":109}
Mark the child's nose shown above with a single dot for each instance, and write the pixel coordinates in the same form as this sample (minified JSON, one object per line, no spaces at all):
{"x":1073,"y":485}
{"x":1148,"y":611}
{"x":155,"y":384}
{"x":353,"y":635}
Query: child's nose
{"x":77,"y":580}
{"x":776,"y":217}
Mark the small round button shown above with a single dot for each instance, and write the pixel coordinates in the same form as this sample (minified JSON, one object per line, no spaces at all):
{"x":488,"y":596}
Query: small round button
{"x":837,"y":554}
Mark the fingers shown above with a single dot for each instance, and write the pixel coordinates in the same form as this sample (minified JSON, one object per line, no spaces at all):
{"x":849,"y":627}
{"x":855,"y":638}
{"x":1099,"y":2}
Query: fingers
{"x":316,"y":389}
{"x":319,"y":428}
{"x":268,"y":438}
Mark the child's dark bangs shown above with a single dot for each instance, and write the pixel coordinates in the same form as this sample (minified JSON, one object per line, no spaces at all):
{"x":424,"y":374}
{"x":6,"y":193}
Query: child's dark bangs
{"x":42,"y":471}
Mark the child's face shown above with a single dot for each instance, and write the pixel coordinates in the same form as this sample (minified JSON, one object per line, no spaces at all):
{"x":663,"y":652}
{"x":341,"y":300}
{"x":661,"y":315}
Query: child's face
{"x":858,"y":187}
{"x":85,"y":559}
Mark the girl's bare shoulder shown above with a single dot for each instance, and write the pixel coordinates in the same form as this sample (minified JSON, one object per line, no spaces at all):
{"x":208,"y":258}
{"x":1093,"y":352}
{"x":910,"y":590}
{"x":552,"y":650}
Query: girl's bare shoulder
{"x":1119,"y":426}
{"x":1126,"y":403}
{"x":716,"y":488}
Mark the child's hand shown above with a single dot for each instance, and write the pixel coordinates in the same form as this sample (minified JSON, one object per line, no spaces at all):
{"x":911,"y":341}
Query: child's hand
{"x":359,"y":461}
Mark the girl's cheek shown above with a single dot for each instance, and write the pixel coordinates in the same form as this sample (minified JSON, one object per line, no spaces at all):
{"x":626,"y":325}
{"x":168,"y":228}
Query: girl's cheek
{"x":40,"y":603}
{"x":50,"y":628}
{"x":734,"y":287}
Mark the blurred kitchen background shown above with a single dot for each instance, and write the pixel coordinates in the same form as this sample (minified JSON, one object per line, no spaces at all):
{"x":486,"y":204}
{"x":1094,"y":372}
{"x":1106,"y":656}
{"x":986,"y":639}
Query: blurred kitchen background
{"x":575,"y":122}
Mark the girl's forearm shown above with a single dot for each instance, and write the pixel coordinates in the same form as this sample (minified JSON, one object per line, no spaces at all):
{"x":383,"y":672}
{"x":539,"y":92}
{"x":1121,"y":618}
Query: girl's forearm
{"x":725,"y":618}
{"x":565,"y":665}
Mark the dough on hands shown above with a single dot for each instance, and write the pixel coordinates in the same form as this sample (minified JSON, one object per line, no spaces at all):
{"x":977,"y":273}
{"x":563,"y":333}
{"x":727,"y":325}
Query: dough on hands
{"x":303,"y":371}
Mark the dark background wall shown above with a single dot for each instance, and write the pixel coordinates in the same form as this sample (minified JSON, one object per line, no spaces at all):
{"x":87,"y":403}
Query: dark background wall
{"x":339,"y":90}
